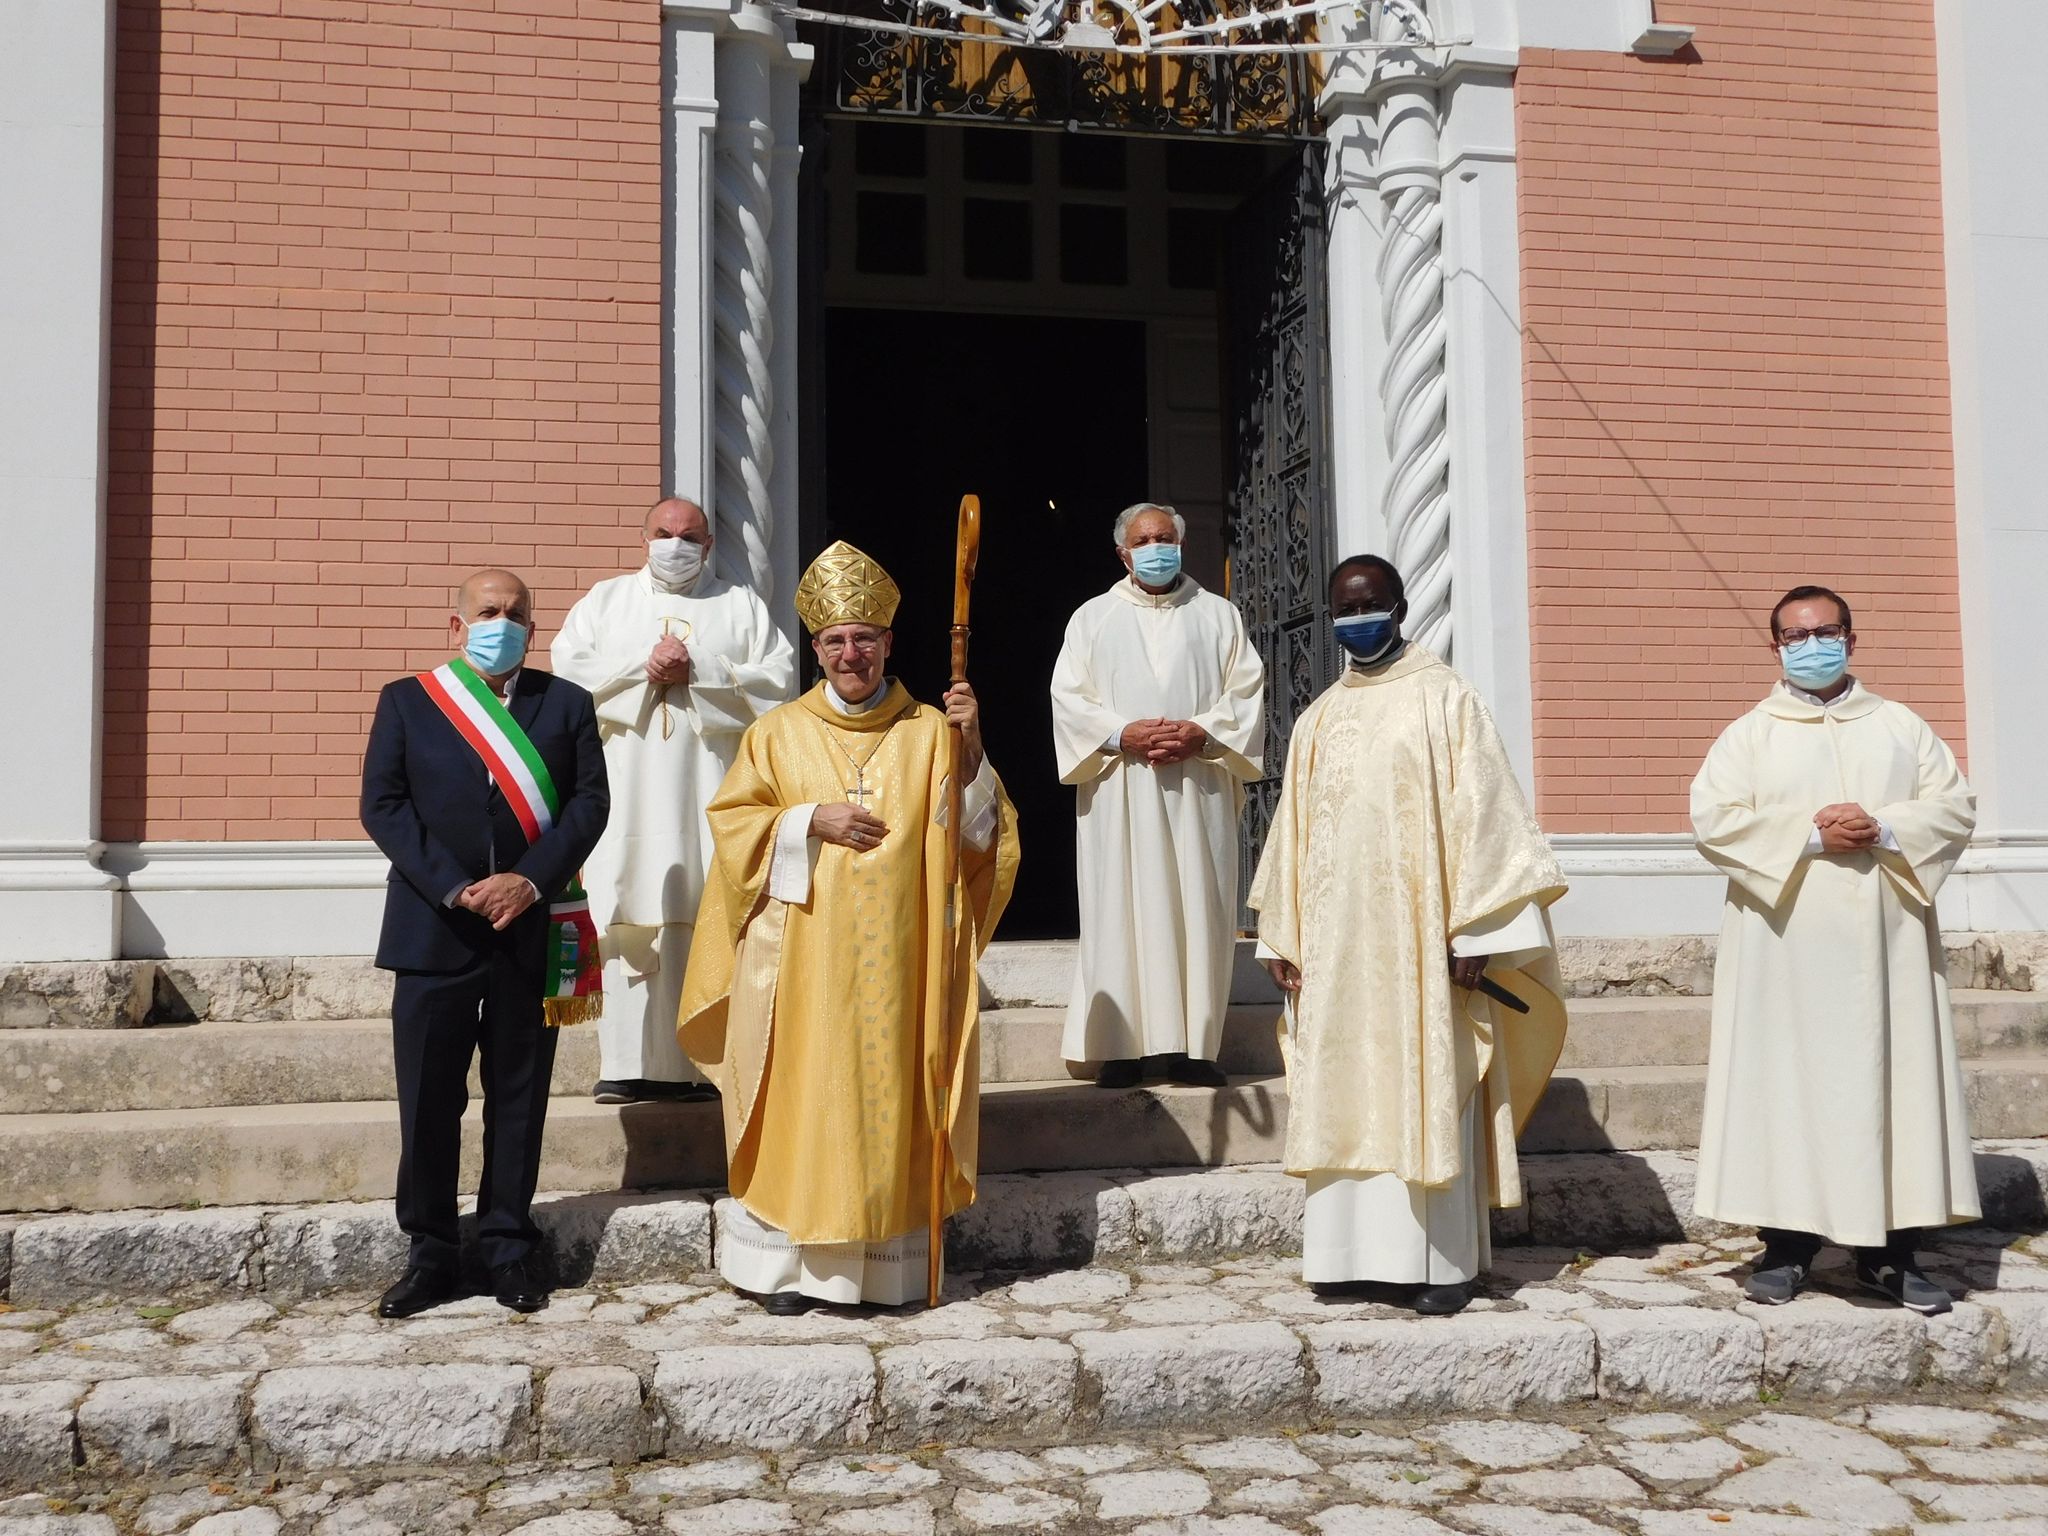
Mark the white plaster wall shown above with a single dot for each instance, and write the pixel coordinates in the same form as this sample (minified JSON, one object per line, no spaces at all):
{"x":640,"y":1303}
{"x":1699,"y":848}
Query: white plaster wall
{"x":1995,"y":215}
{"x":56,"y":133}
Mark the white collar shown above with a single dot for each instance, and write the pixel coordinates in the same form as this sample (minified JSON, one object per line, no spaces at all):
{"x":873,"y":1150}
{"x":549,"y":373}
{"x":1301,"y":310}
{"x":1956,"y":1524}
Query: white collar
{"x":845,"y":708}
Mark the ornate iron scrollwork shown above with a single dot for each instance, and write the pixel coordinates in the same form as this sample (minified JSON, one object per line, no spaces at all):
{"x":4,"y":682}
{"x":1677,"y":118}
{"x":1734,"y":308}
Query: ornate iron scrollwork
{"x":1279,"y":493}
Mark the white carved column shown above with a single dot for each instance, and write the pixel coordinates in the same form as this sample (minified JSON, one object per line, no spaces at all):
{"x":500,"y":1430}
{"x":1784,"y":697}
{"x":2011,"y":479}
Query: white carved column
{"x":56,"y":157}
{"x":1410,"y":279}
{"x":752,"y":372}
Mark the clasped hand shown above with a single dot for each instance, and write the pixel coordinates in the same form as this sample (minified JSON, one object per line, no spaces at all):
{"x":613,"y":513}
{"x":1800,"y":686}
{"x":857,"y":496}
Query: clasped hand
{"x":668,"y":662}
{"x":1846,"y":828}
{"x":1162,"y":742}
{"x":498,"y":898}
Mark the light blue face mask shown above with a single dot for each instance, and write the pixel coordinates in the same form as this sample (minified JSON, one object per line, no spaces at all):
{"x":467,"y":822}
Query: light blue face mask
{"x":495,"y":646}
{"x":1815,"y":663}
{"x":1156,"y":565}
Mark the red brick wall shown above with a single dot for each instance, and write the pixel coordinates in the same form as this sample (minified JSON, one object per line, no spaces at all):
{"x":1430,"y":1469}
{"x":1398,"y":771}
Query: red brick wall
{"x":387,"y":308}
{"x":1735,"y":377}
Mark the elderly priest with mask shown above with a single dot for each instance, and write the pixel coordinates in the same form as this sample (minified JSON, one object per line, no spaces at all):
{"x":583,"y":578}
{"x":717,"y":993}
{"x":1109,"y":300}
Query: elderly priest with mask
{"x":1403,"y":898}
{"x":680,"y":662}
{"x":814,"y":998}
{"x":1835,"y":1109}
{"x":1157,"y":715}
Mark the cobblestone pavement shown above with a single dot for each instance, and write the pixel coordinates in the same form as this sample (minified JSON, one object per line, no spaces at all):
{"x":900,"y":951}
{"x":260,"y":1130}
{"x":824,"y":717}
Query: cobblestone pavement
{"x":1647,"y":1398}
{"x":1961,"y":1467}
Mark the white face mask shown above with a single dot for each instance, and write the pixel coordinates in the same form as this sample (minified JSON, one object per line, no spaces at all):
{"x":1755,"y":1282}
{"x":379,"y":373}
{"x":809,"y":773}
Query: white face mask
{"x":675,"y":562}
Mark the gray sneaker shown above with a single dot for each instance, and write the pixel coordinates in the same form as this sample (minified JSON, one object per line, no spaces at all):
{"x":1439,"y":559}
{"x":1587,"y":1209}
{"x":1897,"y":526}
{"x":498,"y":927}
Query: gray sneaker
{"x":1905,"y":1285}
{"x":1777,"y":1285}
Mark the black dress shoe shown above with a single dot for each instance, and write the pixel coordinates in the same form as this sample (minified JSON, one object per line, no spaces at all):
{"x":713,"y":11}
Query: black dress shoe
{"x":418,"y":1289}
{"x":518,"y":1287}
{"x":786,"y":1303}
{"x":1441,"y":1300}
{"x":1195,"y":1072}
{"x":1118,"y":1074}
{"x":611,"y":1091}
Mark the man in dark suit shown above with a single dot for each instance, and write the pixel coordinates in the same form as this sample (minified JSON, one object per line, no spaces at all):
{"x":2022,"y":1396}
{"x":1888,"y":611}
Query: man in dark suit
{"x":467,"y":926}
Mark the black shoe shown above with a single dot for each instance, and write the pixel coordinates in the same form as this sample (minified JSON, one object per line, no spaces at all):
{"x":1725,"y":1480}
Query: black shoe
{"x":1775,"y":1281}
{"x":1118,"y":1074}
{"x":1441,"y":1300}
{"x":1195,"y":1072}
{"x":1906,"y":1285}
{"x":418,"y":1289}
{"x":696,"y":1093}
{"x":518,"y":1287}
{"x":622,"y":1092}
{"x":786,"y":1303}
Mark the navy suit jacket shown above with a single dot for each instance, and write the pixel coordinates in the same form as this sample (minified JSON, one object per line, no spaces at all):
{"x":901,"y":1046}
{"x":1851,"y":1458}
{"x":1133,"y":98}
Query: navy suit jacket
{"x":431,"y":807}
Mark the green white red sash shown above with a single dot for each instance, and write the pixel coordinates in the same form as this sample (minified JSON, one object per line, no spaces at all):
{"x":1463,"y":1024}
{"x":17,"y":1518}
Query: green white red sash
{"x":573,"y":991}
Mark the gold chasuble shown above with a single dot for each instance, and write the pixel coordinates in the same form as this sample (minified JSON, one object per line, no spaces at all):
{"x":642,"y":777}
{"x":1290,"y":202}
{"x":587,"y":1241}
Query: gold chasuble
{"x":821,"y":1021}
{"x":1400,"y":826}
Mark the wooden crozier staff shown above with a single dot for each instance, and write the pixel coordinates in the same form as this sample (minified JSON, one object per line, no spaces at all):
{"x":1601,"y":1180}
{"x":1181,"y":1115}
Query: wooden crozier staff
{"x":967,"y":550}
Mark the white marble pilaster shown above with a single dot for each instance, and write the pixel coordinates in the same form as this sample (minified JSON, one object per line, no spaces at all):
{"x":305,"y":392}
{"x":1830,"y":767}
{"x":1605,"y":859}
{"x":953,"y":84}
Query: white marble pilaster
{"x":56,"y":159}
{"x":1995,"y":233}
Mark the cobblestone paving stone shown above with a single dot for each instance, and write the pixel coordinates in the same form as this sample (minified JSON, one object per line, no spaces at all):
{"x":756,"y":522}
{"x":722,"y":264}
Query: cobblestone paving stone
{"x":217,"y":1419}
{"x":1963,"y":1466}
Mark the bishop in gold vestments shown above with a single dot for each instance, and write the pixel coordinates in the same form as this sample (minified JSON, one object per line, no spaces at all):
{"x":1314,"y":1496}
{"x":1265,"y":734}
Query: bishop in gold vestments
{"x":1402,"y":861}
{"x":813,"y":997}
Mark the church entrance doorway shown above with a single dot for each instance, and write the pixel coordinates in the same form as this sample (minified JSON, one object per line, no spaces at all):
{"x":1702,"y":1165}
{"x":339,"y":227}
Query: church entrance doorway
{"x":1049,"y":320}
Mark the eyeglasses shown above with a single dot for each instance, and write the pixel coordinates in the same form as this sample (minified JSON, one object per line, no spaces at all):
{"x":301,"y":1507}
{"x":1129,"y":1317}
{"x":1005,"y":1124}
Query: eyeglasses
{"x":1825,"y":632}
{"x":866,"y":645}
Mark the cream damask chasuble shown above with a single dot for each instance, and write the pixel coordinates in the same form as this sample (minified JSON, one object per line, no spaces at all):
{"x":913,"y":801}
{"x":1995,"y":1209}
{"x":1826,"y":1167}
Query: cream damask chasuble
{"x":1400,"y":825}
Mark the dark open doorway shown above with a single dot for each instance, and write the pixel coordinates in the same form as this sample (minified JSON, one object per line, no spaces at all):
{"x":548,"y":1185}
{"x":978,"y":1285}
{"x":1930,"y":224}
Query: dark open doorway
{"x":1044,"y":419}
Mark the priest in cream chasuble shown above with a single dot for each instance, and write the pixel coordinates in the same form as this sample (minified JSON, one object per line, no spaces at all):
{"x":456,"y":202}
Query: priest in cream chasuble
{"x":814,"y":999}
{"x":1158,"y":716}
{"x":680,"y":663}
{"x":1835,"y":1102}
{"x":1403,"y":863}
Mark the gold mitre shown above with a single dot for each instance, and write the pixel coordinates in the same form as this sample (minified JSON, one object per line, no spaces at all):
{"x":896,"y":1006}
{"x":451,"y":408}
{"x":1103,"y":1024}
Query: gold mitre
{"x":844,"y":586}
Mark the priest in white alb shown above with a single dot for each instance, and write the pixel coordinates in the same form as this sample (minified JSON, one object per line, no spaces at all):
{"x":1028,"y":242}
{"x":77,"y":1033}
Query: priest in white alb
{"x":680,"y":662}
{"x":1403,"y":899}
{"x":1835,"y":1107}
{"x":1158,"y":717}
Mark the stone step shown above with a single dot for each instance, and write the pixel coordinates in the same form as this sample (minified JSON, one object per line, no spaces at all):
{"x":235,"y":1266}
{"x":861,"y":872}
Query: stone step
{"x":1172,"y":1309}
{"x":195,"y":1066}
{"x":1592,"y":1201}
{"x":109,"y":1160}
{"x":123,"y":994}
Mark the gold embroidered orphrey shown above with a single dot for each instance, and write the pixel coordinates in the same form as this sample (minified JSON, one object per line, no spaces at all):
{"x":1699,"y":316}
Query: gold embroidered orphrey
{"x":844,"y":586}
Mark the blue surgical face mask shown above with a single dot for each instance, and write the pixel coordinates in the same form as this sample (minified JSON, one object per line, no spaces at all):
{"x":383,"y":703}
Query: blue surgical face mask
{"x":495,"y":646}
{"x":1368,"y":636}
{"x":1815,"y":663}
{"x":1156,"y":565}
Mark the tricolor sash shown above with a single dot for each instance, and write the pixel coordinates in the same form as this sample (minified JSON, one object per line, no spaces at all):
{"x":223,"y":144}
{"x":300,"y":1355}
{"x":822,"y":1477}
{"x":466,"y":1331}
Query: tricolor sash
{"x":573,"y":992}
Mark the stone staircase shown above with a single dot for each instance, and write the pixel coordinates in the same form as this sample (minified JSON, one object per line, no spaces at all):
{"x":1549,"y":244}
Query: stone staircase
{"x":200,"y":1214}
{"x":235,"y":1111}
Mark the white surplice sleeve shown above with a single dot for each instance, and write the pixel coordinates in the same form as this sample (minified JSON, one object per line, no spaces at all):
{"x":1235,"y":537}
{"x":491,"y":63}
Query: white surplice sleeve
{"x":789,"y":868}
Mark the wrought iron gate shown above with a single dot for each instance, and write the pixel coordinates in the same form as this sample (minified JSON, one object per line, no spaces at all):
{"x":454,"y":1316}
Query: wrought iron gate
{"x":1279,"y":527}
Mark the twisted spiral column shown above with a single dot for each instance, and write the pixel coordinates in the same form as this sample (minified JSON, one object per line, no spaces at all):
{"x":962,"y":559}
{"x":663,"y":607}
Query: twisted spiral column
{"x":743,"y":329}
{"x":1416,"y":503}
